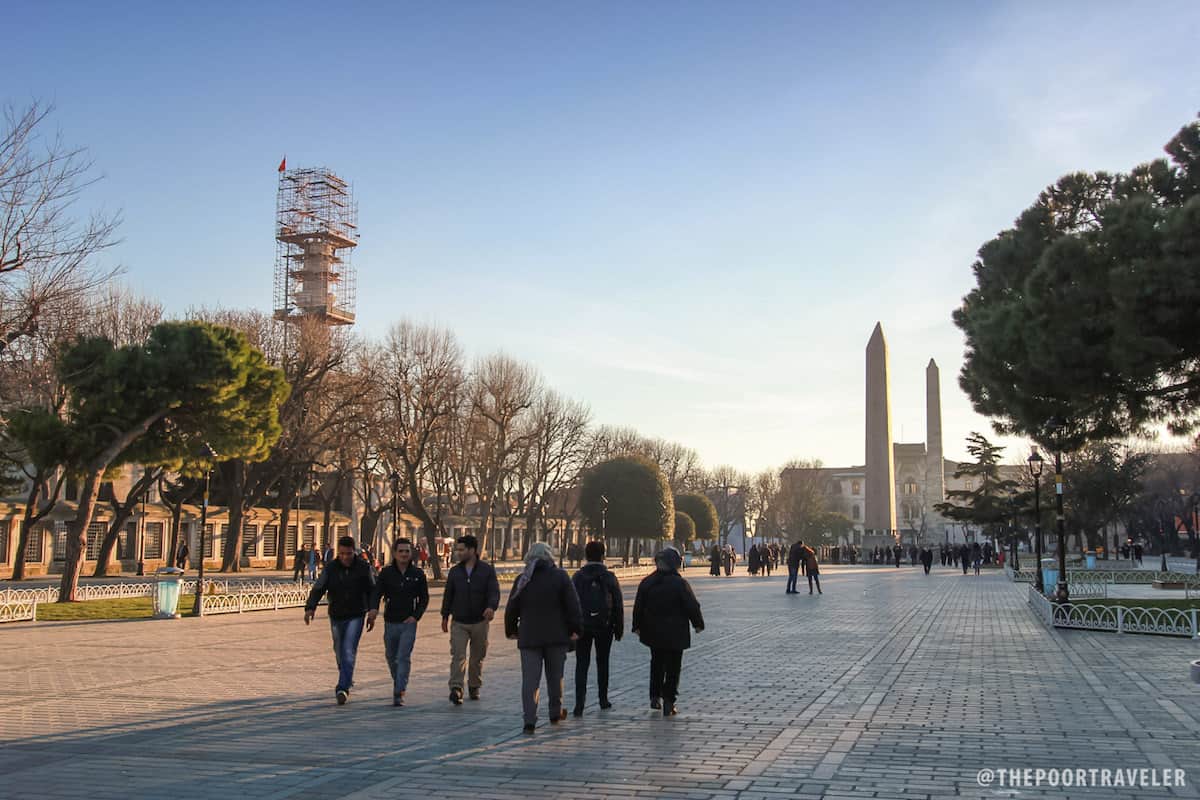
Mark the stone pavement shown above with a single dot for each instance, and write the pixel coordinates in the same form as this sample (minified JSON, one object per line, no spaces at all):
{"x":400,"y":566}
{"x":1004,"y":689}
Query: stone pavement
{"x":891,"y":685}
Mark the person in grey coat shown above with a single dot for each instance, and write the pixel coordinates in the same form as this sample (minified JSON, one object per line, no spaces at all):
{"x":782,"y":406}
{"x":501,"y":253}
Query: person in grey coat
{"x":543,"y":616}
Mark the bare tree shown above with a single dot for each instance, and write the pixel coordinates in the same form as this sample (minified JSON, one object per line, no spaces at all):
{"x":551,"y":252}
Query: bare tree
{"x":47,"y":255}
{"x":502,"y":390}
{"x":557,"y":446}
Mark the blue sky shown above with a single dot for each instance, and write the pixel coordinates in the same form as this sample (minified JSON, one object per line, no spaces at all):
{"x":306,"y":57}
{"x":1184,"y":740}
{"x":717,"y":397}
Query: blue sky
{"x":689,"y":215}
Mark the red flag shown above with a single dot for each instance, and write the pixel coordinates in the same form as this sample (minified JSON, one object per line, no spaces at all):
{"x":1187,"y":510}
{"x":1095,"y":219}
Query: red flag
{"x":283,"y":164}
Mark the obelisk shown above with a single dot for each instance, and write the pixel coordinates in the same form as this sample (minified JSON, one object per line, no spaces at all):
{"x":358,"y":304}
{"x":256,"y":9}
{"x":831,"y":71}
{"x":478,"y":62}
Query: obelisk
{"x":880,"y":515}
{"x":935,"y":464}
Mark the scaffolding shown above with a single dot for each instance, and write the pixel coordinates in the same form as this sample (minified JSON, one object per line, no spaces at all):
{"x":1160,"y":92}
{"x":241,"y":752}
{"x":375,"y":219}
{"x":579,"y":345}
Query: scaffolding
{"x":316,"y":230}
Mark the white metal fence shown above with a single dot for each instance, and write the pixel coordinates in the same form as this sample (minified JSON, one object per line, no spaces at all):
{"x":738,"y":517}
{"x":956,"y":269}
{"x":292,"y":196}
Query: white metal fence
{"x":266,"y":598}
{"x":1116,"y":618}
{"x":19,"y":611}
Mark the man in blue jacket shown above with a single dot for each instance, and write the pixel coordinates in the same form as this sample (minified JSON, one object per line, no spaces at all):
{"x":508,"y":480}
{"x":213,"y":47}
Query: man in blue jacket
{"x":469,"y":604}
{"x":403,"y":587}
{"x":349,"y":581}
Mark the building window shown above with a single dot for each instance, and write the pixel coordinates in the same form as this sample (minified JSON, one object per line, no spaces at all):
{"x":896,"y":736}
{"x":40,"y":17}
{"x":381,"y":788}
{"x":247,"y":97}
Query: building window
{"x":154,"y":540}
{"x":855,"y":487}
{"x":289,"y":542}
{"x":5,"y":528}
{"x":208,"y":539}
{"x":310,"y":534}
{"x":249,"y":540}
{"x":270,"y":535}
{"x":33,"y":547}
{"x":854,"y":512}
{"x":95,"y":537}
{"x":60,"y":542}
{"x":836,"y":486}
{"x":343,"y":530}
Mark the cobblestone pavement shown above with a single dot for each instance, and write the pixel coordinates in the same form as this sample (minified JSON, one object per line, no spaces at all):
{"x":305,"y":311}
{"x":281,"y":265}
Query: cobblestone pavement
{"x":891,"y":685}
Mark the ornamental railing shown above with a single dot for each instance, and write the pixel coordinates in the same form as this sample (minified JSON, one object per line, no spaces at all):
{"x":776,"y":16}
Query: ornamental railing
{"x":115,"y":591}
{"x":268,"y":599}
{"x":1116,"y":618}
{"x":19,"y":611}
{"x":1111,"y":576}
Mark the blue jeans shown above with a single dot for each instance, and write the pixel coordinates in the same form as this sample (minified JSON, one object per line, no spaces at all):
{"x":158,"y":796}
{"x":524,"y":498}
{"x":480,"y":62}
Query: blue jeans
{"x":398,"y":640}
{"x":793,"y":574}
{"x":346,"y":633}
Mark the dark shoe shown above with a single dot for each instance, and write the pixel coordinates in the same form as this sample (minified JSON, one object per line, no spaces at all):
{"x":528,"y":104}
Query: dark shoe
{"x":456,"y":696}
{"x":655,"y":703}
{"x":578,"y":712}
{"x":605,"y":705}
{"x":669,"y":710}
{"x":473,"y":693}
{"x":529,"y":729}
{"x":397,"y":699}
{"x":342,"y":697}
{"x":559,"y":717}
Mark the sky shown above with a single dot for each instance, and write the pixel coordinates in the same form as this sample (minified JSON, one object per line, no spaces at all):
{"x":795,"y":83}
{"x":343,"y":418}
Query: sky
{"x":688,"y":215}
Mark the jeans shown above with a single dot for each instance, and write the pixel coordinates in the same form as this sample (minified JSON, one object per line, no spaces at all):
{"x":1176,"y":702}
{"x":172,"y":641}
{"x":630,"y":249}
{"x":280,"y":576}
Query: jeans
{"x":814,"y":576}
{"x":583,"y":660}
{"x":346,"y":633}
{"x":398,"y":640}
{"x":462,"y":633}
{"x":665,"y":666}
{"x":533,"y":659}
{"x":793,"y":574}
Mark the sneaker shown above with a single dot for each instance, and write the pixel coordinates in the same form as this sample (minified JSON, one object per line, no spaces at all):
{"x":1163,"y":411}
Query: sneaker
{"x":655,"y":703}
{"x":529,"y":729}
{"x":473,"y":693}
{"x":342,"y":697}
{"x":605,"y":705}
{"x":456,"y":696}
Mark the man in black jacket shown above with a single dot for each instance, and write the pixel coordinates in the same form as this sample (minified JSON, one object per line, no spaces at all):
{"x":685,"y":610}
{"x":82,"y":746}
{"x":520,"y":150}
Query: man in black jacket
{"x":795,"y":557}
{"x":404,"y":588}
{"x":350,"y":583}
{"x":471,"y":597}
{"x":603,"y":610}
{"x":662,"y":612}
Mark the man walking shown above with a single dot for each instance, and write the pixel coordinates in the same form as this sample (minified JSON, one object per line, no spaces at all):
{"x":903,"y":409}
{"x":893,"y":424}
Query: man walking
{"x":603,"y":620}
{"x":299,"y":564}
{"x":350,"y":583}
{"x":794,"y":557}
{"x":181,"y":558}
{"x":926,"y":559}
{"x":663,"y":611}
{"x":470,"y":599}
{"x":403,"y":587}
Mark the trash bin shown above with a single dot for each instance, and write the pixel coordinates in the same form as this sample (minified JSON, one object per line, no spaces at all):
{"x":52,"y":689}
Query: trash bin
{"x":1090,"y":558}
{"x":168,"y":585}
{"x":1049,"y":574}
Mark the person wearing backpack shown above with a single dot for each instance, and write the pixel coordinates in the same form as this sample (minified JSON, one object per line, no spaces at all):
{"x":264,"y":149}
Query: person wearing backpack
{"x":603,"y":610}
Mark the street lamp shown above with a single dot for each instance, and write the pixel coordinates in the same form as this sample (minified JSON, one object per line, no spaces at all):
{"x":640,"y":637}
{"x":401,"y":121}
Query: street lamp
{"x":1063,"y":593}
{"x":395,"y":479}
{"x":1195,"y":531}
{"x":209,"y":455}
{"x":604,"y":518}
{"x":1036,"y":463}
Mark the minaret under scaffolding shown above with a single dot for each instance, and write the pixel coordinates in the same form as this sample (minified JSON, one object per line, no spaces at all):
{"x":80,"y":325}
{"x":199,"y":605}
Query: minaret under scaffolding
{"x":316,"y":230}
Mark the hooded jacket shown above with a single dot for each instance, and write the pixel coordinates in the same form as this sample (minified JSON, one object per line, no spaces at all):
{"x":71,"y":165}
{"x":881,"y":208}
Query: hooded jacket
{"x":546,"y":610}
{"x":665,"y":611}
{"x":615,"y":622}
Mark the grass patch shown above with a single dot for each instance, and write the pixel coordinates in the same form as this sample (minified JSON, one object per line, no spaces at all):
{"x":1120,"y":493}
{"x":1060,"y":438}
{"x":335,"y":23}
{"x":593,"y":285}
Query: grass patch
{"x":117,"y":608}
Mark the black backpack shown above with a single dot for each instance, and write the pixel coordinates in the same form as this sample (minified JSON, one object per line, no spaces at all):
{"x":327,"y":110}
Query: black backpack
{"x":596,"y":603}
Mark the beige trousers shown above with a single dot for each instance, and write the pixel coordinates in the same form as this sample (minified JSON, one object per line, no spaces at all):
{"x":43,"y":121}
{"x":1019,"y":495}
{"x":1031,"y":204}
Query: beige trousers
{"x":461,"y":634}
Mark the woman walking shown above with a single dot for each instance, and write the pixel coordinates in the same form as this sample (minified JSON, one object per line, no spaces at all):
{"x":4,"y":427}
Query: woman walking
{"x":662,"y":612}
{"x":543,"y":616}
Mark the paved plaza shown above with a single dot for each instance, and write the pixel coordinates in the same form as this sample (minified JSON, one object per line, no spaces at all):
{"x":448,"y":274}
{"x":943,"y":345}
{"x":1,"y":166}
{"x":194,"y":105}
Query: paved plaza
{"x":891,"y":685}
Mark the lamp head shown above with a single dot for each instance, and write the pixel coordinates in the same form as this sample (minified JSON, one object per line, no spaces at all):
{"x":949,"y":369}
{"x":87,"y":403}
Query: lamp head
{"x":1036,"y":463}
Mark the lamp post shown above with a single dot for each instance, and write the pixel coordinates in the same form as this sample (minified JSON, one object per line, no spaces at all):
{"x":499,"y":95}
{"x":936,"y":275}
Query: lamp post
{"x":395,"y":479}
{"x":1036,"y":463}
{"x":141,"y":540}
{"x":209,"y":455}
{"x":604,"y":518}
{"x":1063,"y":594}
{"x":1195,"y":531}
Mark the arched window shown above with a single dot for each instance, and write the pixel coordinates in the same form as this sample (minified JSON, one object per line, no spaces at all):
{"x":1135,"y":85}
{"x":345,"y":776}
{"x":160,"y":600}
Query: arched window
{"x":854,"y":512}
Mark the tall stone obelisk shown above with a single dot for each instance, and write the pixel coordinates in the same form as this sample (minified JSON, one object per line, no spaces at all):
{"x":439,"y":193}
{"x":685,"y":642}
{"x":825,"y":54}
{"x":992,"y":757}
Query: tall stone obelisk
{"x":880,"y":515}
{"x":935,"y":464}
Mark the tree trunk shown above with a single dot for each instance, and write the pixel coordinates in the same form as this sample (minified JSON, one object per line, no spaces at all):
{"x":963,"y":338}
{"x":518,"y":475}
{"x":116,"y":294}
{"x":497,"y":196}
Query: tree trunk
{"x":285,"y":516}
{"x":368,"y":523}
{"x":326,"y":523}
{"x":435,"y":560}
{"x":232,"y":561}
{"x":121,"y":515}
{"x":77,"y":536}
{"x":176,"y":518}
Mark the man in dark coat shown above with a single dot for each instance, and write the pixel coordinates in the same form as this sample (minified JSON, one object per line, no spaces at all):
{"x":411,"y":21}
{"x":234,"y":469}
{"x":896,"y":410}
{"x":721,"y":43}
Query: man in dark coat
{"x":603,"y":620}
{"x":662,"y":612}
{"x":469,"y":603}
{"x":403,"y":587}
{"x":716,"y":557}
{"x":752,"y":559}
{"x":926,"y":559}
{"x":795,"y":557}
{"x":350,"y":582}
{"x":543,"y":616}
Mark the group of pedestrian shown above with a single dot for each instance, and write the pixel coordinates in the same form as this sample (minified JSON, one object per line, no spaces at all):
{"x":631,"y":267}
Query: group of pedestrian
{"x":722,"y":559}
{"x":762,"y":558}
{"x":802,"y":558}
{"x":306,"y":563}
{"x":548,"y":614}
